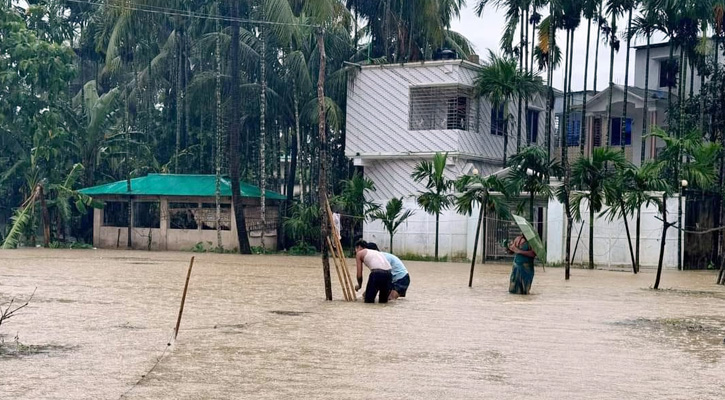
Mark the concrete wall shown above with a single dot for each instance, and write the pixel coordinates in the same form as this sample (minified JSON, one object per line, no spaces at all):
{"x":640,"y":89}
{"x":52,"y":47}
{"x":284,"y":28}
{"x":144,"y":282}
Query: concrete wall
{"x":166,"y":238}
{"x":657,"y":56}
{"x":610,"y":239}
{"x":417,"y":234}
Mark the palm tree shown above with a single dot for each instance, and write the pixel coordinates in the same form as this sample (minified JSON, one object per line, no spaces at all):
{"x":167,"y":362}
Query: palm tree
{"x":591,"y":175}
{"x":699,"y":172}
{"x":478,"y":190}
{"x":500,"y":81}
{"x":353,"y":200}
{"x":641,"y":185}
{"x":392,"y":217}
{"x":436,"y":199}
{"x":530,"y":172}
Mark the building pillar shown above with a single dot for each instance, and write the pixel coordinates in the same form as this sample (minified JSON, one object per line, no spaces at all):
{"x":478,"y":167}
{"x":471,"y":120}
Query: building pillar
{"x":164,"y":224}
{"x":97,"y":223}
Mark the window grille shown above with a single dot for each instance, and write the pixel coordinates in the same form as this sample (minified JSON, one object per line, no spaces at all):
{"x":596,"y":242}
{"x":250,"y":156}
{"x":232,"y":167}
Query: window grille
{"x":441,"y":107}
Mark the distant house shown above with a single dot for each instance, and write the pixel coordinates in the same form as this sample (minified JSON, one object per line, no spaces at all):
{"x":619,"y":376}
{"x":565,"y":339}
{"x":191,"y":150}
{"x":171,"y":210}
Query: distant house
{"x":175,"y":212}
{"x":662,"y":75}
{"x":610,"y":237}
{"x":400,"y":114}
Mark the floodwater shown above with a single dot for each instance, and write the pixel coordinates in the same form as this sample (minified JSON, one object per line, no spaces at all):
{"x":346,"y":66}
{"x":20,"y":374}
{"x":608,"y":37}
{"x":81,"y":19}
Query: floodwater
{"x":257,"y":327}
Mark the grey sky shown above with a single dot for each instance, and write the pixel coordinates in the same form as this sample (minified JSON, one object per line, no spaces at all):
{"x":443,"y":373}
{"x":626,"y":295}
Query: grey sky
{"x":485,"y":33}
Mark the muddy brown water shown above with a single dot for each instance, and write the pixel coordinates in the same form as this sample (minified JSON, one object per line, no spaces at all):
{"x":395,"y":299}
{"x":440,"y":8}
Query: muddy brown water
{"x":258,"y":327}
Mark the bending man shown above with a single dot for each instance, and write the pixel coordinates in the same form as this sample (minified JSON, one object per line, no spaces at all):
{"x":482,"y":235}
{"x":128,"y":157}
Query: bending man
{"x":401,"y":278}
{"x":380,"y":277}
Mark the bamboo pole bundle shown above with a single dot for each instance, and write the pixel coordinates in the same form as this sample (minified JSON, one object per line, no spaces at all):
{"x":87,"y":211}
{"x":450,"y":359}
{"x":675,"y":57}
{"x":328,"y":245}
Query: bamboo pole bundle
{"x":343,"y":272}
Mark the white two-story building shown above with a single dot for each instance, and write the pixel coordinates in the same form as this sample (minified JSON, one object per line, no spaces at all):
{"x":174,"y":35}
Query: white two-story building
{"x":400,"y":114}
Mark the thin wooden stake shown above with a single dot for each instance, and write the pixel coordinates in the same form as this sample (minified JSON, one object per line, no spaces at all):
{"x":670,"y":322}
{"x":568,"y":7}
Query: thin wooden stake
{"x":183,"y":298}
{"x":339,"y":274}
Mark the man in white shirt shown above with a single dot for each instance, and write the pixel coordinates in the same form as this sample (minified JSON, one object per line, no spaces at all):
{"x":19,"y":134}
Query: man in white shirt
{"x":380,"y":278}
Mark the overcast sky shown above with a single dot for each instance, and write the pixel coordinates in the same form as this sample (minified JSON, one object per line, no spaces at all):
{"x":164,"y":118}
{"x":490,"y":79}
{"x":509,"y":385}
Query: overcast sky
{"x":485,"y":33}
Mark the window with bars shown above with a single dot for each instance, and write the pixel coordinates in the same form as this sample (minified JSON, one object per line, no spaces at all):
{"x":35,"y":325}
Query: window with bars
{"x":441,"y":107}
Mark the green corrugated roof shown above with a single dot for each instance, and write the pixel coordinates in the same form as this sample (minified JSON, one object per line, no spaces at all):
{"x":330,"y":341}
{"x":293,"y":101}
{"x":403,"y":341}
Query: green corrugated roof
{"x":176,"y":185}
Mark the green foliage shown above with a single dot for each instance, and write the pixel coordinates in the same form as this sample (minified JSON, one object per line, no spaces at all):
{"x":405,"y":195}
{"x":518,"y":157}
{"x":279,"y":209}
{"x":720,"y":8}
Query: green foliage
{"x":437,"y":198}
{"x":478,"y":190}
{"x":302,"y":249}
{"x":500,"y":80}
{"x":303,"y":224}
{"x":392,"y":216}
{"x":592,"y":175}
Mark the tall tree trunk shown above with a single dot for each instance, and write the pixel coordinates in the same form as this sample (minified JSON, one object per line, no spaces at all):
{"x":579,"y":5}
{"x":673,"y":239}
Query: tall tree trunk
{"x":234,"y":133}
{"x":596,"y":51}
{"x":438,"y":215}
{"x":263,"y":134}
{"x":528,"y":68}
{"x":179,"y":96}
{"x":583,"y":132}
{"x":591,"y":236}
{"x":629,"y":237}
{"x":520,"y":99}
{"x":475,"y":242}
{"x":46,"y":217}
{"x":680,"y":133}
{"x":322,"y":187}
{"x":637,"y":233}
{"x":505,"y":131}
{"x":567,"y":173}
{"x":550,"y":92}
{"x":665,"y":225}
{"x":645,"y":121}
{"x":670,"y":61}
{"x":218,"y":138}
{"x":623,"y":127}
{"x":611,"y":83}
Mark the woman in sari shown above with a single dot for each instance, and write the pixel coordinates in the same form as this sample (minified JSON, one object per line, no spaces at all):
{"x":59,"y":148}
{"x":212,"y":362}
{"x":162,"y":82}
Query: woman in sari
{"x":522,"y":274}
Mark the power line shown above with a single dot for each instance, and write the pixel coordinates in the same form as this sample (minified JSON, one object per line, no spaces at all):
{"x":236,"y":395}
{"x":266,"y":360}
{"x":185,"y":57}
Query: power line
{"x":187,"y":14}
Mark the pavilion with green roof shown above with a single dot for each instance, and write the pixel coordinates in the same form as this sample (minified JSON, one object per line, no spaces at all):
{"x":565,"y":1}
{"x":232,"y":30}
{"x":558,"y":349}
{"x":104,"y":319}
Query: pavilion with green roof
{"x":176,"y":212}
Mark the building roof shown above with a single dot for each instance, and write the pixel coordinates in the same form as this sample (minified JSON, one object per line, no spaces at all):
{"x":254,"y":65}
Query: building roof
{"x":177,"y":185}
{"x":651,"y":46}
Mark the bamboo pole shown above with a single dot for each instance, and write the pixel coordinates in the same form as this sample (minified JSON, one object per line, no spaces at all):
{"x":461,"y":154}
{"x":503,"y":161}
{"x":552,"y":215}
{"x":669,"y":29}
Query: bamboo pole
{"x":337,"y":250}
{"x":183,"y":298}
{"x":343,"y":285}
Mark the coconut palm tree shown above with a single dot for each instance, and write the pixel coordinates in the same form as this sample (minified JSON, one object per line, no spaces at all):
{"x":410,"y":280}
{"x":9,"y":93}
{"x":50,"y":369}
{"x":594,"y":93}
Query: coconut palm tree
{"x":391,"y":217}
{"x":591,"y":174}
{"x":500,"y":81}
{"x":436,"y":198}
{"x":490,"y":194}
